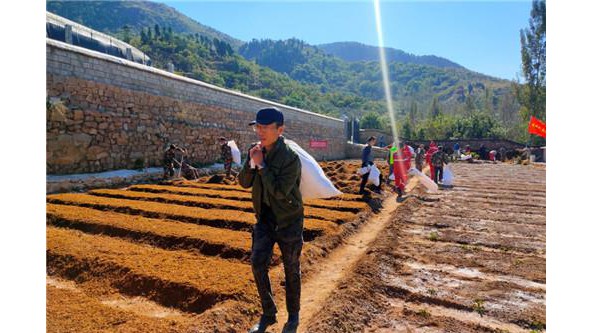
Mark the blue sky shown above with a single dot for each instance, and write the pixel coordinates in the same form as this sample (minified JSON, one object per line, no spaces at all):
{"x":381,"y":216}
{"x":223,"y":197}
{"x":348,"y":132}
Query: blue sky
{"x":480,"y":35}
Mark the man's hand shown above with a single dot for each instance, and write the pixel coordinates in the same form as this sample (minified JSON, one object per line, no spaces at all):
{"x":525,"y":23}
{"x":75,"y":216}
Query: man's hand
{"x":257,"y":155}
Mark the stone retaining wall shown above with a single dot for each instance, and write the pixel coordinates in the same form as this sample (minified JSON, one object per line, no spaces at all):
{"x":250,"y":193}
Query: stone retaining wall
{"x":105,"y":113}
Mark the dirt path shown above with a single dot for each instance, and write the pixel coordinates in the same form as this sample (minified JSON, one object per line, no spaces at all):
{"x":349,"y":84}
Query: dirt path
{"x":338,"y":264}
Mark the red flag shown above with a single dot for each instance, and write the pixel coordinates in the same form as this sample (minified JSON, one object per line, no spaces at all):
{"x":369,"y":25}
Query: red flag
{"x":537,"y":127}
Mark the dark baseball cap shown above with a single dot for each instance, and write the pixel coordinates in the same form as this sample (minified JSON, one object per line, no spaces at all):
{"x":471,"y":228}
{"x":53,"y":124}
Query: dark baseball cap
{"x":267,"y":116}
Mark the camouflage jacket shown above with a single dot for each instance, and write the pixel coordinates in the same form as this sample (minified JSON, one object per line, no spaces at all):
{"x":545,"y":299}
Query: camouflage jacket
{"x":439,"y":159}
{"x":225,"y":153}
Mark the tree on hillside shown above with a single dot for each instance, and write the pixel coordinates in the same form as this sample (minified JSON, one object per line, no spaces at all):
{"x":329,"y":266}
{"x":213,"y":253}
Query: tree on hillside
{"x":157,"y":31}
{"x":413,"y":115}
{"x":488,"y":102}
{"x":533,"y":56}
{"x":469,"y":106}
{"x":435,"y":109}
{"x":371,"y":120}
{"x":406,"y":130}
{"x":126,"y":33}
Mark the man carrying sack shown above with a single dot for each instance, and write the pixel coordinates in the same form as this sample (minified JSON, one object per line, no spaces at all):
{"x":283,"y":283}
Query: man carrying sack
{"x":226,"y":155}
{"x":274,"y":171}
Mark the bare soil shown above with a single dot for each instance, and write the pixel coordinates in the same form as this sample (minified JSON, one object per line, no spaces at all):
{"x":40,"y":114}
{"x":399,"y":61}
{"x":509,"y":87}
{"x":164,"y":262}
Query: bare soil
{"x":174,"y":257}
{"x":452,"y":261}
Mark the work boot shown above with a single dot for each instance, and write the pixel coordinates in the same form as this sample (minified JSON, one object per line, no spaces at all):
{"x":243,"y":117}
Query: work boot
{"x":263,"y":324}
{"x":399,"y":192}
{"x":292,"y":324}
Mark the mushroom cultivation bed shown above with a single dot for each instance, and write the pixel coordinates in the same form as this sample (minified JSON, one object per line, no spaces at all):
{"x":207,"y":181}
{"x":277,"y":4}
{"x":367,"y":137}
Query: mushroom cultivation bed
{"x":175,"y":256}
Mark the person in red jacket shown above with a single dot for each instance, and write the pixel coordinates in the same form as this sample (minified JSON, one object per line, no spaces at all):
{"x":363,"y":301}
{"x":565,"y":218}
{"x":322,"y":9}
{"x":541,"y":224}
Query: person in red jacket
{"x":408,"y":156}
{"x":402,"y":160}
{"x":432,"y":148}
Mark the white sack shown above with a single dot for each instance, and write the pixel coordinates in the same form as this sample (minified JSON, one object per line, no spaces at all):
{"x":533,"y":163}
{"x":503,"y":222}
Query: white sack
{"x":430,"y":185}
{"x":448,"y":176}
{"x":314,"y":183}
{"x":374,"y":177}
{"x":364,"y":171}
{"x":235,"y":152}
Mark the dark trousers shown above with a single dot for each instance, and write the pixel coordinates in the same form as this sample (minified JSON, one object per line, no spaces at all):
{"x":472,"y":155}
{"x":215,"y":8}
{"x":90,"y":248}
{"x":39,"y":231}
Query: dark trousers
{"x":438,"y":174}
{"x":168,"y":170}
{"x":290,"y":241}
{"x":365,"y":179}
{"x":227,"y":167}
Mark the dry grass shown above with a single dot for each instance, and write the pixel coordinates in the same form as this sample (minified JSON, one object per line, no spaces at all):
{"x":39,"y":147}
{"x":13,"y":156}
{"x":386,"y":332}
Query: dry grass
{"x":220,"y":187}
{"x":336,"y":204}
{"x":166,"y":234}
{"x":181,"y":244}
{"x":138,"y":269}
{"x":233,"y":195}
{"x":229,"y":219}
{"x":70,"y":311}
{"x":310,"y":212}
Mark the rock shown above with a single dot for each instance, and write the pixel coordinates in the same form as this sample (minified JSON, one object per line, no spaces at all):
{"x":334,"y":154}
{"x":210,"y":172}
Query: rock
{"x":136,"y":155}
{"x":94,"y":150}
{"x":78,"y":115}
{"x":122,"y":140}
{"x":81,"y":140}
{"x":56,"y":114}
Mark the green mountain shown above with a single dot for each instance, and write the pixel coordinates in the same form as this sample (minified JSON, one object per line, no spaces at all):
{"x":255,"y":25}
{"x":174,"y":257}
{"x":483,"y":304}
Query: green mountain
{"x":112,"y":16}
{"x":353,"y":51}
{"x":454,"y":87}
{"x":433,"y":97}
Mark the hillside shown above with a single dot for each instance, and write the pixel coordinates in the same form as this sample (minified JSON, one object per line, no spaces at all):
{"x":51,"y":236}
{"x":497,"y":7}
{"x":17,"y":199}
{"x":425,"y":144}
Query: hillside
{"x":442,"y":99}
{"x":353,"y":51}
{"x":112,"y":16}
{"x":453,"y":86}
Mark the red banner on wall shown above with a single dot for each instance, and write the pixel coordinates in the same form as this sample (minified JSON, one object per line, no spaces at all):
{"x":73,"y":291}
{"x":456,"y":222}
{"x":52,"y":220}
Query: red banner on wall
{"x":537,"y":127}
{"x":319,"y":144}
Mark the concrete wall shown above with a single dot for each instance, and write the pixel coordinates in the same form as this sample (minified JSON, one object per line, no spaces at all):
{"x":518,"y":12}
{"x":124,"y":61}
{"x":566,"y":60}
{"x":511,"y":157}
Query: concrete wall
{"x":108,"y":113}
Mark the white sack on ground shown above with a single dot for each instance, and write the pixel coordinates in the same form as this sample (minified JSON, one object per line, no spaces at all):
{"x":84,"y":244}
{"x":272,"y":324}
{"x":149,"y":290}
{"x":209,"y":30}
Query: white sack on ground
{"x":314,"y":183}
{"x":448,"y":176}
{"x":235,"y":152}
{"x":430,"y":185}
